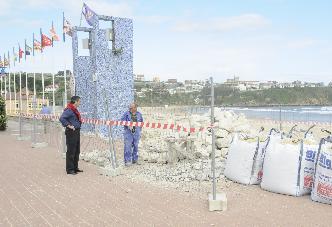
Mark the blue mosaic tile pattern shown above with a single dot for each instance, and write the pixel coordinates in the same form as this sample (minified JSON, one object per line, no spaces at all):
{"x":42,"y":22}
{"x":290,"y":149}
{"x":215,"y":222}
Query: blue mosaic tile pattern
{"x":113,"y":74}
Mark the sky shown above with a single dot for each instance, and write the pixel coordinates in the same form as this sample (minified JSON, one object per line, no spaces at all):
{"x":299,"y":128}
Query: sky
{"x":283,"y":40}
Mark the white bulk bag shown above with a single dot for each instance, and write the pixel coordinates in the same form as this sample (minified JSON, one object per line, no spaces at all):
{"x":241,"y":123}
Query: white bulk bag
{"x":310,"y":149}
{"x":287,"y":169}
{"x":322,"y":188}
{"x":257,"y":170}
{"x":244,"y":161}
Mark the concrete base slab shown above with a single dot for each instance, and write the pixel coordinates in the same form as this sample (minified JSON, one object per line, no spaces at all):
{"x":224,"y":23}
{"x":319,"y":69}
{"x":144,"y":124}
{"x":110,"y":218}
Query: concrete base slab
{"x":219,"y":204}
{"x":23,"y":138}
{"x":39,"y":145}
{"x":110,"y":172}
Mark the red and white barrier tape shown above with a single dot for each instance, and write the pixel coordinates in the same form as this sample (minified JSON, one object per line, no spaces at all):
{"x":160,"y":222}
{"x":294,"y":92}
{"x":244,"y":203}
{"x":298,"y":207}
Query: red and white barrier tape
{"x":153,"y":125}
{"x":164,"y":126}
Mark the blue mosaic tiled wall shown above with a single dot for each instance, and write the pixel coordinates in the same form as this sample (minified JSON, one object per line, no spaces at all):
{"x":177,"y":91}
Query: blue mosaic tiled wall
{"x":105,"y":75}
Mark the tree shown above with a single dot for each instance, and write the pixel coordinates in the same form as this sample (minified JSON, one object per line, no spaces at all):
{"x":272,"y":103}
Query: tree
{"x":3,"y":117}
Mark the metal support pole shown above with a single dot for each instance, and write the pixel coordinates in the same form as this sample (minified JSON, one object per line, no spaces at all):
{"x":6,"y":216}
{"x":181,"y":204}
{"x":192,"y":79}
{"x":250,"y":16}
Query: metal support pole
{"x":53,"y":94}
{"x":34,"y":121}
{"x":20,"y":118}
{"x":27,"y":91}
{"x":110,"y":136}
{"x":280,"y":126}
{"x":43,"y":86}
{"x":65,"y":81}
{"x":10,"y":94}
{"x":64,"y":148}
{"x":6,"y":94}
{"x":213,"y":164}
{"x":15,"y":97}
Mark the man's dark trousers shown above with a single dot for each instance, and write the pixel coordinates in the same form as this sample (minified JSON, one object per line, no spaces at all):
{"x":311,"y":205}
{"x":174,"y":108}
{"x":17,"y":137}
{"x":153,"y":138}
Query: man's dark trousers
{"x":73,"y":149}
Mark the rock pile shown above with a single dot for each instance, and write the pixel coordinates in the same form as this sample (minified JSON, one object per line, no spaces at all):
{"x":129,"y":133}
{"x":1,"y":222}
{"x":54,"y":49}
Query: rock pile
{"x":181,"y":156}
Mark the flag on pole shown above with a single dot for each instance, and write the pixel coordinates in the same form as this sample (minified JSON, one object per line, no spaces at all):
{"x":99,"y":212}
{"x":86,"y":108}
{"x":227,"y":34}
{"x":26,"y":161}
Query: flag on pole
{"x":5,"y":61}
{"x":28,"y":49}
{"x":20,"y":53}
{"x":54,"y":36}
{"x":36,"y":45}
{"x":46,"y":41}
{"x":89,"y":14}
{"x":25,"y":50}
{"x":41,"y":41}
{"x":63,"y":27}
{"x":33,"y":44}
{"x":14,"y":56}
{"x":67,"y":29}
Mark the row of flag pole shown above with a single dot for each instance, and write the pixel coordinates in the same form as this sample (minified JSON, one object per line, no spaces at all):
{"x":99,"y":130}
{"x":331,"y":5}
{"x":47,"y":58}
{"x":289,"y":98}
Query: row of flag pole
{"x":38,"y":45}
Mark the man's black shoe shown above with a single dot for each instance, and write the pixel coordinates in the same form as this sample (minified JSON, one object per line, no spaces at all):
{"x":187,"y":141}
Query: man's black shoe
{"x":72,"y":172}
{"x":79,"y":171}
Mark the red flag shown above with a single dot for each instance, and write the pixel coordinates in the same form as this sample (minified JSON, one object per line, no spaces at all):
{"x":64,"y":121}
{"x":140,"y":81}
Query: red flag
{"x":46,"y":41}
{"x":20,"y":53}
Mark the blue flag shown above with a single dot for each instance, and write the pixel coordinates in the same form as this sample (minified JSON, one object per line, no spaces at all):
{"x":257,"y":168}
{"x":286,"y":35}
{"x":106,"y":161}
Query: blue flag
{"x":89,"y":14}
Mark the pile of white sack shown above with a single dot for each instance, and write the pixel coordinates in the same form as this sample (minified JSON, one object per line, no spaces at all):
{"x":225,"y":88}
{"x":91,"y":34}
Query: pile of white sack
{"x":283,"y":165}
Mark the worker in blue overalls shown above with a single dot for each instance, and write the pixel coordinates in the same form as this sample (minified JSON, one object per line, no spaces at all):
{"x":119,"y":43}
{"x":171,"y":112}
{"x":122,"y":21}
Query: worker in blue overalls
{"x":132,"y":134}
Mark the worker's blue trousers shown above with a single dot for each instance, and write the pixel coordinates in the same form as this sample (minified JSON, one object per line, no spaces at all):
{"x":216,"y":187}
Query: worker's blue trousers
{"x":131,"y":146}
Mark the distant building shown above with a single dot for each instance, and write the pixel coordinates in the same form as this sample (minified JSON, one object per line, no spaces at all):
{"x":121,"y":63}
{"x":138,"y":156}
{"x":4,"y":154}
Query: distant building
{"x":250,"y":84}
{"x":298,"y":83}
{"x":191,"y":82}
{"x":232,"y":82}
{"x":156,"y":79}
{"x":330,"y":84}
{"x":27,"y":102}
{"x":49,"y":88}
{"x":180,"y":90}
{"x":266,"y":85}
{"x":61,"y":73}
{"x":321,"y":84}
{"x":306,"y":84}
{"x":172,"y":91}
{"x":172,"y":81}
{"x":241,"y":87}
{"x":139,"y":77}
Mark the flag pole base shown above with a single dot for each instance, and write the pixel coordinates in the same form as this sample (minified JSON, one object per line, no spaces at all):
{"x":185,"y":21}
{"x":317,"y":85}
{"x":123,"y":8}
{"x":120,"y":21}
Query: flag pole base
{"x":219,"y":204}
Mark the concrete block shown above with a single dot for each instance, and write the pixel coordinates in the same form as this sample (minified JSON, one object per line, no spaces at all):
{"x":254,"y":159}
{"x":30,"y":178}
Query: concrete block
{"x":23,"y":138}
{"x":39,"y":145}
{"x":110,"y":172}
{"x":219,"y":204}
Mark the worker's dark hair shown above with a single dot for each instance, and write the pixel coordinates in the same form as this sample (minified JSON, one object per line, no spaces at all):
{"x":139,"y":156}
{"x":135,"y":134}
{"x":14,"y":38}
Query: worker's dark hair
{"x":74,"y":99}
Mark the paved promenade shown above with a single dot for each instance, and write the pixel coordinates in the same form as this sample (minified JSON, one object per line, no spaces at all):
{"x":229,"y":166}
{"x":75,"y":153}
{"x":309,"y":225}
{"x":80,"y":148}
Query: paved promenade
{"x":36,"y":191}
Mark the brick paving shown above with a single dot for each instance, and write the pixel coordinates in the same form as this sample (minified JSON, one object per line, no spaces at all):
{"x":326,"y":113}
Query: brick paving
{"x":36,"y":191}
